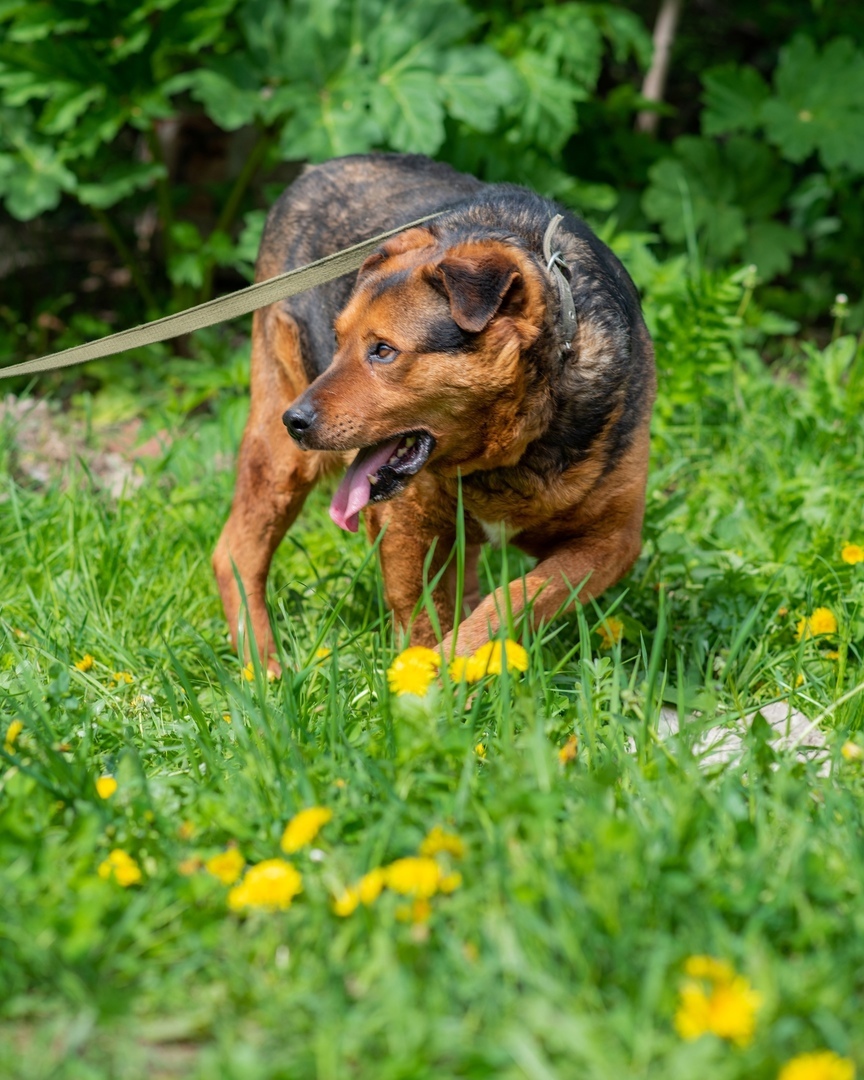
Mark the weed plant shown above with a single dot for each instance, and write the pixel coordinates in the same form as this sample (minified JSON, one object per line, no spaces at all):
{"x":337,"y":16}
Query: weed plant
{"x":587,"y":879}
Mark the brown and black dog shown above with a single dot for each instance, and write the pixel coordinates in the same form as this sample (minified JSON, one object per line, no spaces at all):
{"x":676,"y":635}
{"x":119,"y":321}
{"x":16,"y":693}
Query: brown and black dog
{"x":448,"y":360}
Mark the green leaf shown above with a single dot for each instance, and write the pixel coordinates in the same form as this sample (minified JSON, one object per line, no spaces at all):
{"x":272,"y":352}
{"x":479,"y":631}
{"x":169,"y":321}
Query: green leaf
{"x":30,"y":186}
{"x":547,"y":111}
{"x":327,"y":126}
{"x":693,"y":190}
{"x":230,"y":92}
{"x":733,"y":98}
{"x":570,"y":39}
{"x":68,"y":102}
{"x":819,"y":103}
{"x":625,"y":33}
{"x":119,"y":181}
{"x":477,"y":84}
{"x":407,"y":106}
{"x":727,"y":195}
{"x":770,"y":246}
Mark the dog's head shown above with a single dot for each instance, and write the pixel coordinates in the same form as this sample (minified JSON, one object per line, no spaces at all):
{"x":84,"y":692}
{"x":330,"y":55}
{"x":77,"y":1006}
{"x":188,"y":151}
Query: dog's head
{"x":428,"y":368}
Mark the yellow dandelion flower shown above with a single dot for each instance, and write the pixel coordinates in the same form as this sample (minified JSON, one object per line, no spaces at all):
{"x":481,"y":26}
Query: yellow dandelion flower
{"x":438,"y":840}
{"x":370,"y":885}
{"x":416,"y":912}
{"x":271,"y":884}
{"x":347,"y":902}
{"x":822,"y":621}
{"x":725,"y":1007}
{"x":480,"y":751}
{"x":105,"y":787}
{"x":249,"y":672}
{"x":852,"y":751}
{"x":186,"y":830}
{"x":304,"y":827}
{"x":799,"y":679}
{"x":782,"y":612}
{"x":413,"y":671}
{"x":491,"y":658}
{"x":226,"y":716}
{"x":123,"y":677}
{"x":12,"y":733}
{"x":852,"y":554}
{"x":709,"y":967}
{"x":610,"y":631}
{"x":458,"y":669}
{"x":366,"y":891}
{"x":227,"y":865}
{"x":450,"y":882}
{"x":569,"y":751}
{"x":85,"y":663}
{"x":322,"y":653}
{"x":122,"y":867}
{"x":823,"y":1065}
{"x":190,"y":866}
{"x":416,"y":876}
{"x":832,"y":654}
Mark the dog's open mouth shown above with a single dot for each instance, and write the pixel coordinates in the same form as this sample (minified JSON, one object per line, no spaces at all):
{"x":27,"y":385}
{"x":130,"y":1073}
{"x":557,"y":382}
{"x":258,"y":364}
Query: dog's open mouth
{"x":377,"y":473}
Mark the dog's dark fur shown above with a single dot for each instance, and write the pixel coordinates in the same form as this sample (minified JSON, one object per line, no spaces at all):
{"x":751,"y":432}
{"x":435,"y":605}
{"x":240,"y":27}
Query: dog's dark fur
{"x":551,"y":443}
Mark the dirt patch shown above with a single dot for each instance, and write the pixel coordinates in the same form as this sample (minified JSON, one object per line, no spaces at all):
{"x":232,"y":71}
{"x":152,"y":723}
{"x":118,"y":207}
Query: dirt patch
{"x":39,"y":441}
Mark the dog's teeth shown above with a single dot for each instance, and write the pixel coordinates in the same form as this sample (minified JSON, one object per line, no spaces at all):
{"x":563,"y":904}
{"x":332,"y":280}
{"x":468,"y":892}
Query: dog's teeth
{"x":372,"y":478}
{"x":409,"y":442}
{"x":393,"y":460}
{"x":402,"y":451}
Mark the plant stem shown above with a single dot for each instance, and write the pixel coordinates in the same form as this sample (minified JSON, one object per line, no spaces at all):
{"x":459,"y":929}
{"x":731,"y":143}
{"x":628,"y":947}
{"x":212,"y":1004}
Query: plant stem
{"x":232,"y":204}
{"x":127,"y":255}
{"x":163,"y":192}
{"x":655,"y":80}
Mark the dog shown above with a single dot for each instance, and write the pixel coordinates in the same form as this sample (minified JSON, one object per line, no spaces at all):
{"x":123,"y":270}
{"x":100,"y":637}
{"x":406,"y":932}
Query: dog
{"x":451,"y":362}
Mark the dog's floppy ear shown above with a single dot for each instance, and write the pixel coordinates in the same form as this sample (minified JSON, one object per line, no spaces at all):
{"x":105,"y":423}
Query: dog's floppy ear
{"x":396,"y":245}
{"x":477,"y":285}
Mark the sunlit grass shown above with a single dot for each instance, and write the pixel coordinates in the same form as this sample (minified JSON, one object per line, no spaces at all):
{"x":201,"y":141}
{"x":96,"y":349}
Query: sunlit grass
{"x":588,"y":878}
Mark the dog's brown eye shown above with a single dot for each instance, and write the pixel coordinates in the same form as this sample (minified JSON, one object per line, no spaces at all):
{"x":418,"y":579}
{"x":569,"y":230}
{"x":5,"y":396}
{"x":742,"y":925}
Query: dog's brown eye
{"x":383,"y":352}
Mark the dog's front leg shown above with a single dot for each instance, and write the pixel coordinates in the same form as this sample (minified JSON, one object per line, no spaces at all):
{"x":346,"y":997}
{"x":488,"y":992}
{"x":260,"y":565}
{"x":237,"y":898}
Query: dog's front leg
{"x":598,"y":561}
{"x":409,"y":535}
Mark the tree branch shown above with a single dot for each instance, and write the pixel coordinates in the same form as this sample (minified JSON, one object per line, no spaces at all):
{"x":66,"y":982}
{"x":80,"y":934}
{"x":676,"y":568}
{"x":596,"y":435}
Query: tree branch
{"x":655,"y":80}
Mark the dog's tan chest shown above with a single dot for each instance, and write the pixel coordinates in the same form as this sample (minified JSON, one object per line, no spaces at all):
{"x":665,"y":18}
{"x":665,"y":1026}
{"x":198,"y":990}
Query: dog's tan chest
{"x":498,"y":531}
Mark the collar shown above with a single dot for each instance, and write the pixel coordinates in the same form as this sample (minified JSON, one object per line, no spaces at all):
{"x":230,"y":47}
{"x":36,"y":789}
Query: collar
{"x":554,"y":263}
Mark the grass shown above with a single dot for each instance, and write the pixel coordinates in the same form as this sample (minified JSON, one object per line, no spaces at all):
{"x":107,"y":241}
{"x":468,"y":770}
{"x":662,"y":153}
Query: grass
{"x":586,"y":884}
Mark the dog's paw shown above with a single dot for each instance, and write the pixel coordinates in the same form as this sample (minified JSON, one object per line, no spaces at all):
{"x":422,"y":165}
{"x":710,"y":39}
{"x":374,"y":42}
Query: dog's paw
{"x":448,"y":650}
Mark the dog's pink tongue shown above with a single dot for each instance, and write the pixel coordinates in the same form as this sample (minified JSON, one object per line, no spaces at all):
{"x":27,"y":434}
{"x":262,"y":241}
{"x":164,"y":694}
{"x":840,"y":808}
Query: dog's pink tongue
{"x":355,"y":490}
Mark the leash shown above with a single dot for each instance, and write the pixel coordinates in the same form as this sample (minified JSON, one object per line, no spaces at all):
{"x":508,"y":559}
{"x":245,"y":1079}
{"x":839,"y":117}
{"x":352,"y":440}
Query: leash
{"x":216,"y":311}
{"x":267,"y":292}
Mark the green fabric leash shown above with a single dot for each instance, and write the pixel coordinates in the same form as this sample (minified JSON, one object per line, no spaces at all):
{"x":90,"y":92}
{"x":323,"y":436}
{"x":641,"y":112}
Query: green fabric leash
{"x":215,"y":311}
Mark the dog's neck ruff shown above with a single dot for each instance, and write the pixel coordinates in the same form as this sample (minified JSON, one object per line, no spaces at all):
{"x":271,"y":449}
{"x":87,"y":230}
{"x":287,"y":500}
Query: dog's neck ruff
{"x":554,"y":262}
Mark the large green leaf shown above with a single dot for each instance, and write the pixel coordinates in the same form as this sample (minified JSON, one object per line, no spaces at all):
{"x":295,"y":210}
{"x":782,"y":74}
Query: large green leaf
{"x":477,"y":84}
{"x":719,"y":194}
{"x":407,"y":106}
{"x":733,"y":98}
{"x":229,"y":92}
{"x":819,"y":103}
{"x":770,"y":246}
{"x":329,"y":125}
{"x":32,"y":184}
{"x":119,"y":181}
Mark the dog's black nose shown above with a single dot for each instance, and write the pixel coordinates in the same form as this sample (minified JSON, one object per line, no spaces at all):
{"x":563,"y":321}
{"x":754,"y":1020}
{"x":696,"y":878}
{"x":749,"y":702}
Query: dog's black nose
{"x":299,"y":419}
